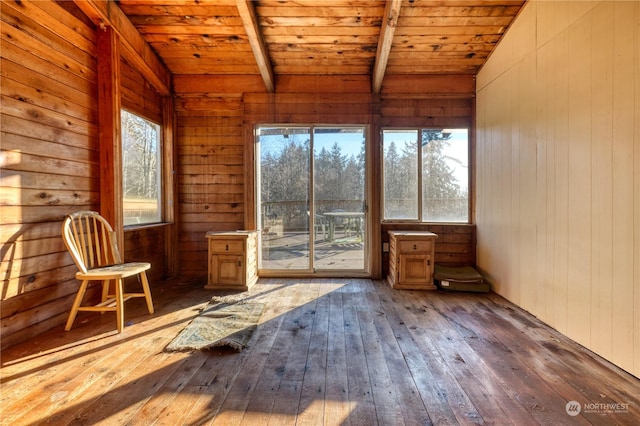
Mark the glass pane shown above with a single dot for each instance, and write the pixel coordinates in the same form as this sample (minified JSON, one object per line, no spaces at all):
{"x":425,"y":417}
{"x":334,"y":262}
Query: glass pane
{"x":284,"y":197}
{"x":445,"y":175}
{"x":339,"y":217}
{"x":400,"y":168}
{"x":141,"y":173}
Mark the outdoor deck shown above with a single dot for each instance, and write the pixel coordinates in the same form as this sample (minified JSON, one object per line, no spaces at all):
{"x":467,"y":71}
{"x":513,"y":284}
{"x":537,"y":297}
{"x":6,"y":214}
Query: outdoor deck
{"x":290,"y":250}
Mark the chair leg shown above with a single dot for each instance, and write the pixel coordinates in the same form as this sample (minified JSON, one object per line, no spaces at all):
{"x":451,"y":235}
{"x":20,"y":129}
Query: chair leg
{"x":76,"y":305}
{"x":147,"y":291}
{"x":119,"y":305}
{"x":106,"y":286}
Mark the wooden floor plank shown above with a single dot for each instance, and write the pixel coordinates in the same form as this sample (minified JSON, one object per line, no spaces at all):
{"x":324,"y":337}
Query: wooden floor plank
{"x":359,"y":382}
{"x":337,"y":405}
{"x":435,"y":333}
{"x":520,"y":378}
{"x":297,"y":327}
{"x":326,"y":352}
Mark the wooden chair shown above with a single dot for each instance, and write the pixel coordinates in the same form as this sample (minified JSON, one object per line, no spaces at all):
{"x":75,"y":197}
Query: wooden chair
{"x":92,"y":245}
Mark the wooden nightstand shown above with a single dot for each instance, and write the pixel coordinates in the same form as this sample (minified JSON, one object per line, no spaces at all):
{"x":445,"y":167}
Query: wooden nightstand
{"x":411,"y":257}
{"x":233,"y":261}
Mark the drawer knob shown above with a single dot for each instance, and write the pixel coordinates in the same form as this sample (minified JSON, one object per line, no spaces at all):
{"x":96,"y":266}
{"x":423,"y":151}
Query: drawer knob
{"x":226,"y":247}
{"x":415,"y":247}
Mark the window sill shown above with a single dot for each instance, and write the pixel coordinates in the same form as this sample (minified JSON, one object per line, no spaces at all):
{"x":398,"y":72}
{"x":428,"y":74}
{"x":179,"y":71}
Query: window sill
{"x":128,"y":228}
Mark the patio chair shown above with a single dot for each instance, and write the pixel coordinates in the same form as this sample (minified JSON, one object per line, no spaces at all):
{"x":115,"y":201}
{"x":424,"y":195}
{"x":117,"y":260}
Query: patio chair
{"x":320,"y":224}
{"x":92,"y":245}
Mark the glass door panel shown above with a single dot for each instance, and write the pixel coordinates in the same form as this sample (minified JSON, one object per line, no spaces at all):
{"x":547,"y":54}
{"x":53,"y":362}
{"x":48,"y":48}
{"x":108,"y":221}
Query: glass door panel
{"x":283,"y":185}
{"x":339,"y":198}
{"x":312,"y":207}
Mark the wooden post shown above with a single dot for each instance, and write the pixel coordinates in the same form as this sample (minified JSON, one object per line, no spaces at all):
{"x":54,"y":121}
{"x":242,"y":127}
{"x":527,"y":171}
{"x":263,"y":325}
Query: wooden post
{"x":110,"y":134}
{"x":170,"y":186}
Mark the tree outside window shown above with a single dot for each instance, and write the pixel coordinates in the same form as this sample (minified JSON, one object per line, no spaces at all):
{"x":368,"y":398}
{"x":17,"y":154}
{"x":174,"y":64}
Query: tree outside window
{"x":426,"y":175}
{"x":141,"y":172}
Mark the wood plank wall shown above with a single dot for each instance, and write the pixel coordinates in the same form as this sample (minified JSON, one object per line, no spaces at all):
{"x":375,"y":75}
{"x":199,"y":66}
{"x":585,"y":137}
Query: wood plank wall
{"x":49,"y":159}
{"x":559,"y":172}
{"x":142,"y":244}
{"x":216,"y":115}
{"x":211,"y":167}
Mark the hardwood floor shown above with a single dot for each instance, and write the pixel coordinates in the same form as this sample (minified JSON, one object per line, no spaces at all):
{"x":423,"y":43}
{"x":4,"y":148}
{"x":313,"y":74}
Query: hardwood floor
{"x":327,"y":351}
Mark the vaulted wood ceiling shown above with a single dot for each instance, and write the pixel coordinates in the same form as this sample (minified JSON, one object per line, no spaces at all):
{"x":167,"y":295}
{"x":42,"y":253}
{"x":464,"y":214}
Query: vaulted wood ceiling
{"x":322,"y":37}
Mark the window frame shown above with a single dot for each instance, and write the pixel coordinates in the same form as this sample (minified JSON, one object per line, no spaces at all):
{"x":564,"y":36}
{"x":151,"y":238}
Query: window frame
{"x":160,"y":169}
{"x":420,"y":178}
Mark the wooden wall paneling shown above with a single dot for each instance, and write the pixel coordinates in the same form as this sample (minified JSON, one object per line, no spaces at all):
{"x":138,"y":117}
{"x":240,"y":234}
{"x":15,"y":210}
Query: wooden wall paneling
{"x":211,"y":164}
{"x":435,"y":86}
{"x":324,"y":84}
{"x":170,"y":186}
{"x":49,"y":159}
{"x":55,"y":48}
{"x":130,"y":83}
{"x":310,"y":108}
{"x":20,"y":108}
{"x":374,"y":179}
{"x":622,"y":190}
{"x":526,"y":191}
{"x":498,"y":188}
{"x":146,"y":244}
{"x":109,"y":99}
{"x":250,"y":206}
{"x":636,"y":204}
{"x":544,"y":178}
{"x":135,"y":49}
{"x":72,"y":26}
{"x":38,"y":319}
{"x":232,"y":85}
{"x":580,"y":152}
{"x":138,"y":95}
{"x":68,"y":88}
{"x":586,"y":130}
{"x":560,"y":188}
{"x":21,"y":83}
{"x":602,"y":56}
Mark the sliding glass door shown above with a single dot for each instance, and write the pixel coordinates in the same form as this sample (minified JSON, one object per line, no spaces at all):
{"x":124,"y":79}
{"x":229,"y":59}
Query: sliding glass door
{"x":311,"y":193}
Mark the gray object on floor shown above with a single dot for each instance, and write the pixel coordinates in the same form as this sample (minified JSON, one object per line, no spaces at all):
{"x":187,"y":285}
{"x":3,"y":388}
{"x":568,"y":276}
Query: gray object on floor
{"x":460,"y":278}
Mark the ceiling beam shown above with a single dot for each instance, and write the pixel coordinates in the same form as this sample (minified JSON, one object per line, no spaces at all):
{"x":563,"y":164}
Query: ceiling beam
{"x":389,"y":21}
{"x":135,"y":49}
{"x":250,"y":20}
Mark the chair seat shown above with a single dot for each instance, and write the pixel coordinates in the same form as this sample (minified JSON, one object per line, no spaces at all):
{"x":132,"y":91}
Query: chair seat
{"x":111,"y":272}
{"x":91,"y":243}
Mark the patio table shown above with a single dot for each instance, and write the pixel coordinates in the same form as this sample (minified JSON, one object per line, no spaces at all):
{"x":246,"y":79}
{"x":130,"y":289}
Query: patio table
{"x":333,"y":216}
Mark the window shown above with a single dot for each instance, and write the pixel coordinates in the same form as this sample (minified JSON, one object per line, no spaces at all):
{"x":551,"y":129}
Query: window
{"x":426,"y":175}
{"x":311,"y":192}
{"x":141,"y":170}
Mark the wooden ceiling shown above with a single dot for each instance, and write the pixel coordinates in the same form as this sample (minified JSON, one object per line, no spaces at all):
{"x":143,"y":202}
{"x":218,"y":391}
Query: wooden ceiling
{"x":322,"y":37}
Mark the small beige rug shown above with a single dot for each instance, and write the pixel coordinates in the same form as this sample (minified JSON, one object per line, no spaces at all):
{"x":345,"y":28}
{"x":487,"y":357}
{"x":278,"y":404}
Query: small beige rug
{"x":226,"y":321}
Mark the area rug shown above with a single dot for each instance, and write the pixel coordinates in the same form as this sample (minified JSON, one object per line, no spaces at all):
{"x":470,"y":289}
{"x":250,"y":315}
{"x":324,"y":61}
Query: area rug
{"x":225,"y":321}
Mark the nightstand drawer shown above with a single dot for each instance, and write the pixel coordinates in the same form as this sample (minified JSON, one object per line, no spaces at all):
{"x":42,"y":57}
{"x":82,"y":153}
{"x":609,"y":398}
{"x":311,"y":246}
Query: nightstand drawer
{"x":228,"y":246}
{"x":408,"y":246}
